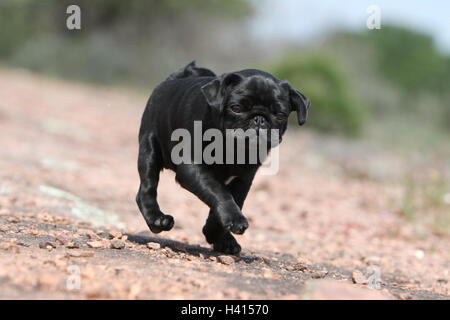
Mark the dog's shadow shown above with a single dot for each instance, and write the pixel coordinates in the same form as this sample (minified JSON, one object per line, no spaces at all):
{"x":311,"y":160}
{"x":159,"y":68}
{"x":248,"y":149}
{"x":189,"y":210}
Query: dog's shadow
{"x":181,"y":247}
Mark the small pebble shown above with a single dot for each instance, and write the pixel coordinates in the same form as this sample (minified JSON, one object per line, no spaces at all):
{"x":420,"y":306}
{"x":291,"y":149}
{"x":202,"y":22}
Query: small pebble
{"x":95,"y":244}
{"x":77,"y":253}
{"x":114,"y":234}
{"x":117,"y":244}
{"x":63,"y":239}
{"x":153,"y":245}
{"x":358,"y":277}
{"x":45,"y":244}
{"x":226,"y":259}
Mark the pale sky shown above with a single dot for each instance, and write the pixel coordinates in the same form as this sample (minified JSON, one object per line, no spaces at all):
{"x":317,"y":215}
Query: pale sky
{"x":301,"y":20}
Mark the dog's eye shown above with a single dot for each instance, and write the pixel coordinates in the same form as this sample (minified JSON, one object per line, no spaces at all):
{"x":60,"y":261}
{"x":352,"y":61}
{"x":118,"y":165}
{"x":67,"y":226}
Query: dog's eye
{"x":236,"y":108}
{"x":280,"y":116}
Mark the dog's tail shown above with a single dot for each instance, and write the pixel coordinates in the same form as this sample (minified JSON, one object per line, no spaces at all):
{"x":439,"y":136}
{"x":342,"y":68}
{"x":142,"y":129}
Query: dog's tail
{"x":191,"y":71}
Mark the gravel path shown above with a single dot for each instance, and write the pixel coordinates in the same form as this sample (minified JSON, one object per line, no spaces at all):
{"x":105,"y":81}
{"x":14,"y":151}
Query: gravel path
{"x":69,"y":226}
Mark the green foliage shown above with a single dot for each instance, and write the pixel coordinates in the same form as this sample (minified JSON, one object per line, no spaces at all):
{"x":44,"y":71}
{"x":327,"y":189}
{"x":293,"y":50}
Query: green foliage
{"x":14,"y":29}
{"x":131,"y":42}
{"x":410,"y":59}
{"x":333,"y":108}
{"x":402,"y":76}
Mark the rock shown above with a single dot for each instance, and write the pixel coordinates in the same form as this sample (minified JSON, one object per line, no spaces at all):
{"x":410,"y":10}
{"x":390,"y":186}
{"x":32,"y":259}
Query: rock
{"x":95,"y":244}
{"x":4,"y":228}
{"x":153,"y":245}
{"x":319,"y":274}
{"x":91,"y":235}
{"x":303,"y":260}
{"x":63,"y":238}
{"x":335,"y":290}
{"x":86,"y":254}
{"x":84,"y":224}
{"x":117,"y":244}
{"x":45,"y":244}
{"x":268,"y":274}
{"x":168,"y":252}
{"x":404,"y":296}
{"x":299,"y":267}
{"x":358,"y":277}
{"x":118,"y":269}
{"x":21,"y":229}
{"x":114,"y":234}
{"x":13,"y":219}
{"x":227,"y":260}
{"x":44,"y":216}
{"x":78,"y":254}
{"x":14,"y":229}
{"x":71,"y":253}
{"x":73,"y":245}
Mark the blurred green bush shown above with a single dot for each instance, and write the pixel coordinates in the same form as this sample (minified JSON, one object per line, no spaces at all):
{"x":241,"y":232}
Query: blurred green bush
{"x":401,"y":76}
{"x":393,"y":76}
{"x":410,"y":59}
{"x":319,"y":77}
{"x":133,"y":43}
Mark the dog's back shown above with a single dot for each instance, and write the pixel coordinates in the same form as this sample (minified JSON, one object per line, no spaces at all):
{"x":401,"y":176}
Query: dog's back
{"x":191,"y":71}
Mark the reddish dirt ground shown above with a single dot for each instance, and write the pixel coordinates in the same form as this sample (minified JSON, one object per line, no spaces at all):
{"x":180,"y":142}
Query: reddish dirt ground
{"x":69,"y":226}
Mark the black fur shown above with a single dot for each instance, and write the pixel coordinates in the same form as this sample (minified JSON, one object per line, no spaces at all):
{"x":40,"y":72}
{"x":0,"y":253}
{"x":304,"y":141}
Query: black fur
{"x":191,"y":71}
{"x":197,"y":94}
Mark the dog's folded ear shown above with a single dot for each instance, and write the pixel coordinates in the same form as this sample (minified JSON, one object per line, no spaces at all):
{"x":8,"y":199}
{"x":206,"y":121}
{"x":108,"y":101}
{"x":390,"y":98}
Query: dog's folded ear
{"x":299,"y":102}
{"x":189,"y":68}
{"x":215,"y":90}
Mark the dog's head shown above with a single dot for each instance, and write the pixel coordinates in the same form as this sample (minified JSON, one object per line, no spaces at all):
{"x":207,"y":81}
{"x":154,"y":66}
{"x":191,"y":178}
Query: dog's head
{"x":256,"y":101}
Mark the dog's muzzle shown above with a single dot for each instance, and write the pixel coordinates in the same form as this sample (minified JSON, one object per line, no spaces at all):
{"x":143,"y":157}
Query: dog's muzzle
{"x":259,"y":122}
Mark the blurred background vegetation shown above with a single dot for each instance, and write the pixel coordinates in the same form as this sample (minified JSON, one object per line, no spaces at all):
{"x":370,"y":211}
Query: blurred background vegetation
{"x":354,"y":79}
{"x":126,"y":42}
{"x":388,"y":86}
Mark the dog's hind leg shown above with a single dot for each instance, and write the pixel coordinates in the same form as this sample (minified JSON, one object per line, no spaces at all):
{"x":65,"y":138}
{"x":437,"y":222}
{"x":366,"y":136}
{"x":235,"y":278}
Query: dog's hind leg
{"x":221,"y":239}
{"x":149,"y":167}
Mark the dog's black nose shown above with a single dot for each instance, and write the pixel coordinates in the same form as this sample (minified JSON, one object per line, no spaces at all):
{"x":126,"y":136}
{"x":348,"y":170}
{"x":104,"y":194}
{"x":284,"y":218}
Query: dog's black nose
{"x":259,"y":121}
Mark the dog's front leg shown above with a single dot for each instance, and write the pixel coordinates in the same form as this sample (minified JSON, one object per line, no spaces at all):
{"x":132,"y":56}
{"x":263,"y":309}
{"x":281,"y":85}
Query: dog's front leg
{"x":200,"y":181}
{"x":149,"y":167}
{"x":221,"y":239}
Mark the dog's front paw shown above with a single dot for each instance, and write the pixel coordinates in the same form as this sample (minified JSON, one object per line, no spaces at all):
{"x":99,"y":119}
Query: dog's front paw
{"x":231,"y":217}
{"x":161,"y":223}
{"x":227,"y":245}
{"x":237,"y":224}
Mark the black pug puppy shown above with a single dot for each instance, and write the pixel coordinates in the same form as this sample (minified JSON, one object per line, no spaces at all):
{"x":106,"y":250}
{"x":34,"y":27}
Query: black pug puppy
{"x":245,"y":99}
